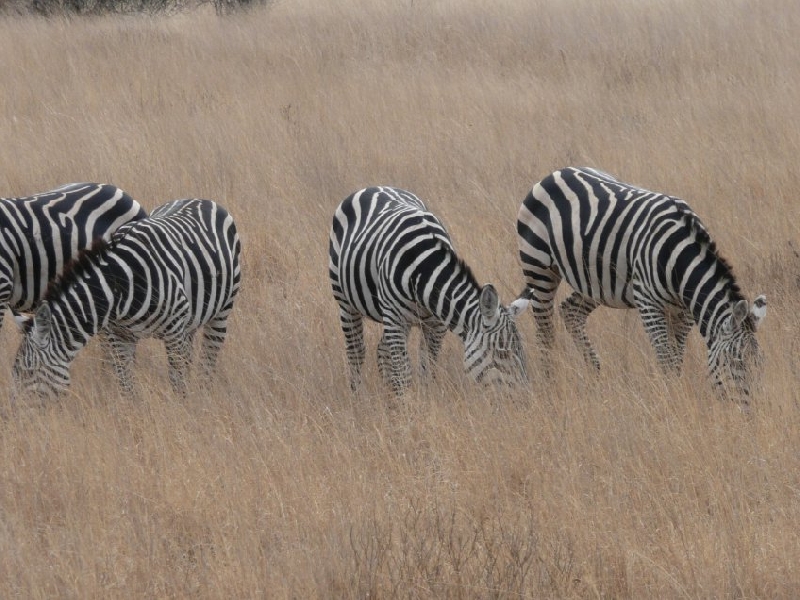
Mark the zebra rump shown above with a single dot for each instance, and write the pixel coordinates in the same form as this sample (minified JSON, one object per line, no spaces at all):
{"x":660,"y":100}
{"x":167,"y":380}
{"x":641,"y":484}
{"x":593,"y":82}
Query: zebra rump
{"x":40,"y":234}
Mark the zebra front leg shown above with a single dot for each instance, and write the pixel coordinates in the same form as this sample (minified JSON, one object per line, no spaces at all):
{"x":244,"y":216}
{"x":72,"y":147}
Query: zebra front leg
{"x":353,"y":328}
{"x":656,"y":324}
{"x":433,"y":332}
{"x":393,"y":356}
{"x":121,"y":349}
{"x":679,"y":324}
{"x":575,"y":310}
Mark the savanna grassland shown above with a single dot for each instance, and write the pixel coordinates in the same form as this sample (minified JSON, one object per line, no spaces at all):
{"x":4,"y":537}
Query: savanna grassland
{"x":279,"y":482}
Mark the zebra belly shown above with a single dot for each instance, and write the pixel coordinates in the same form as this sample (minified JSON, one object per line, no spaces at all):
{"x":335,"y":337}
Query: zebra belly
{"x":363,"y":294}
{"x":370,"y":307}
{"x":601,"y":279}
{"x":604,"y":294}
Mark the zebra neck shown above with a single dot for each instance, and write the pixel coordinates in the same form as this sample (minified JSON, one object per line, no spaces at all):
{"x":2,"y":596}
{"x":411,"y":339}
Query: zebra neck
{"x":710,"y":309}
{"x":468,"y":319}
{"x":448,"y":290}
{"x":701,"y":277}
{"x":81,"y":309}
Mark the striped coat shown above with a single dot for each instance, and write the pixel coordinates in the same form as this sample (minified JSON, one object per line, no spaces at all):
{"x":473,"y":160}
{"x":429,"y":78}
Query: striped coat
{"x":167,"y":276}
{"x":392,"y":261}
{"x":621,"y":246}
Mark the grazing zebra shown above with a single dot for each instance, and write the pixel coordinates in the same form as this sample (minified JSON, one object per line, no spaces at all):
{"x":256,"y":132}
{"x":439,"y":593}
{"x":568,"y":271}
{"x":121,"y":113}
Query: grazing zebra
{"x":40,"y":234}
{"x":625,"y":247}
{"x":165,"y":276}
{"x":392,"y":261}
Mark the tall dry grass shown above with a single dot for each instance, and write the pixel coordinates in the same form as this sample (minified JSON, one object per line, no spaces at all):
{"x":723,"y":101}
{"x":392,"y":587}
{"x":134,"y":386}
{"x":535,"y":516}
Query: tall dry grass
{"x":280,"y":483}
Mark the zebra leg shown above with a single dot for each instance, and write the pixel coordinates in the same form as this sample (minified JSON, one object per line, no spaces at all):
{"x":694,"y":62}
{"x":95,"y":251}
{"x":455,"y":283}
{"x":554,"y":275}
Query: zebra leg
{"x":353,"y":327}
{"x":680,"y":323}
{"x":656,"y":323}
{"x":121,"y":349}
{"x":575,"y":310}
{"x":393,"y":355}
{"x":179,"y":357}
{"x":542,"y":286}
{"x":214,"y":333}
{"x":433,"y":332}
{"x":384,"y":360}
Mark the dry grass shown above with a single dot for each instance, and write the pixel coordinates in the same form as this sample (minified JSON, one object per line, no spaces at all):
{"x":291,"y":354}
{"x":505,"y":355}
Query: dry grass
{"x":280,"y":483}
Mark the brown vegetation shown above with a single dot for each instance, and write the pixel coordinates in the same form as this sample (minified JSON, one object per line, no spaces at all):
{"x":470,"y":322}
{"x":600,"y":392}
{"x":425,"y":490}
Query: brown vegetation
{"x":282,"y":484}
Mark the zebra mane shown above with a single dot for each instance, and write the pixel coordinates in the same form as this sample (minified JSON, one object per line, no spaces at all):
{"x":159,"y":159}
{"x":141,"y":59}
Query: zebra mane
{"x":461,"y":266}
{"x":703,"y":238}
{"x":75,"y":268}
{"x":467,"y":271}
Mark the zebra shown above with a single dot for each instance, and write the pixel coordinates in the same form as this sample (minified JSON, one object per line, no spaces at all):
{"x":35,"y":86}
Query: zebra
{"x":165,"y":277}
{"x":40,"y":234}
{"x":393,"y":261}
{"x":625,"y":247}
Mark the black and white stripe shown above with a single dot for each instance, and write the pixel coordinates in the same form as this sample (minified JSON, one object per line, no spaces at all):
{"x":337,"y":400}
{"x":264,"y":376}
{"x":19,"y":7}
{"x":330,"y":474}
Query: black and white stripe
{"x":165,"y":276}
{"x":40,"y":234}
{"x":624,"y":247}
{"x":392,"y":261}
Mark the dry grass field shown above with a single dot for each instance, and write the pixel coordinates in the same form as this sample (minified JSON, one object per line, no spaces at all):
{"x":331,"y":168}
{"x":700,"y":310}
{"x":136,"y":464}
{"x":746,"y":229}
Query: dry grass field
{"x":280,"y":483}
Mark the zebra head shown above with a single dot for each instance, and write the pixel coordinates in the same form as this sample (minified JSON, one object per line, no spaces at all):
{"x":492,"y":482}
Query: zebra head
{"x":37,"y":370}
{"x":493,"y":350}
{"x":734,"y":355}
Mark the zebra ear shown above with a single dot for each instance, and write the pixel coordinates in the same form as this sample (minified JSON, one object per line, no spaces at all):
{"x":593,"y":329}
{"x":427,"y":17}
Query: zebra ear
{"x":734,"y":322}
{"x":23,"y":321}
{"x":517,"y":307}
{"x":42,"y":322}
{"x":489,"y":304}
{"x":759,"y":310}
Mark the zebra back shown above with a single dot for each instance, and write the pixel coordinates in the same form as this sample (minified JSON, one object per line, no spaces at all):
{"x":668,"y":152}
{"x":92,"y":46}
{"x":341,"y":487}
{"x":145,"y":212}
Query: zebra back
{"x":40,"y":234}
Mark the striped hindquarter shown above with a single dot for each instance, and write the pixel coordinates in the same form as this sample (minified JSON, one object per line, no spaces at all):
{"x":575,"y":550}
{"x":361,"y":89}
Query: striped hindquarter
{"x":166,"y":276}
{"x":621,"y":246}
{"x":40,"y":234}
{"x":392,"y":261}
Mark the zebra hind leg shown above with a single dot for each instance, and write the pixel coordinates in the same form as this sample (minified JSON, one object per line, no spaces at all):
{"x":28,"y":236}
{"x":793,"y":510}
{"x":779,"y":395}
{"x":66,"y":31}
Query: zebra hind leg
{"x":393,"y":356}
{"x":575,"y":310}
{"x":542,"y":283}
{"x":214,"y":334}
{"x":353,"y":328}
